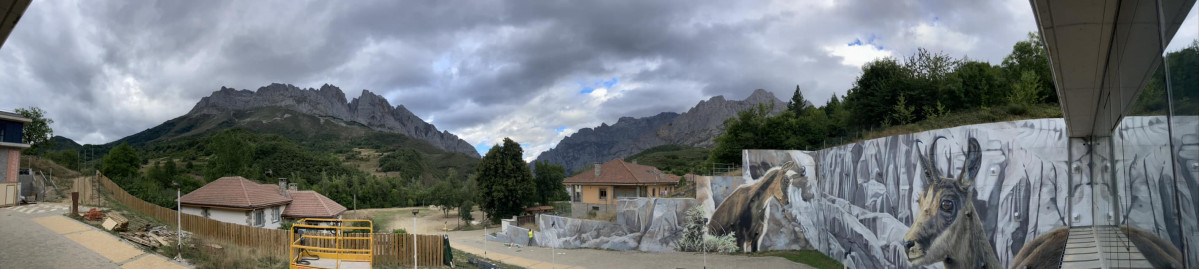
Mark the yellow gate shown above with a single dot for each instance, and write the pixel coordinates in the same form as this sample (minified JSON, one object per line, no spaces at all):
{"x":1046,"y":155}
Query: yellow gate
{"x":331,"y":243}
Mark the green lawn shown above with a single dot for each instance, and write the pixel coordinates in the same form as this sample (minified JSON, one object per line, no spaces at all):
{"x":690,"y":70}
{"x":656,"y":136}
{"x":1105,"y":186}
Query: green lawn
{"x":809,"y":257}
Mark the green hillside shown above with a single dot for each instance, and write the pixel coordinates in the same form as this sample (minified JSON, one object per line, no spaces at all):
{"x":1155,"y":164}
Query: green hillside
{"x":336,"y":157}
{"x":673,"y":159}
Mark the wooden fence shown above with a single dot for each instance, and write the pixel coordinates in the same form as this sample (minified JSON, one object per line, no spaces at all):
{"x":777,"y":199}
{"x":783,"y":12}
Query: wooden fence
{"x":388,"y":248}
{"x":393,"y":248}
{"x":526,"y":219}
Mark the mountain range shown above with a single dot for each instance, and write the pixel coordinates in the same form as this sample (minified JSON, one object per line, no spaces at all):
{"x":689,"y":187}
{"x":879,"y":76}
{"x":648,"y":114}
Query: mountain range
{"x":369,"y":109}
{"x":698,"y":127}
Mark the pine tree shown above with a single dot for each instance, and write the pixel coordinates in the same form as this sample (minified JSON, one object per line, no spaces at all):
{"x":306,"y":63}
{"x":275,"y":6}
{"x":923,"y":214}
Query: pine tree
{"x":797,"y":103}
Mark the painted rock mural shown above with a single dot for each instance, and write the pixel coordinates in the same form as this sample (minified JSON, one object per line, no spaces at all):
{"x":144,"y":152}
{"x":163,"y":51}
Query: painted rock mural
{"x":1017,"y":180}
{"x":995,"y":188}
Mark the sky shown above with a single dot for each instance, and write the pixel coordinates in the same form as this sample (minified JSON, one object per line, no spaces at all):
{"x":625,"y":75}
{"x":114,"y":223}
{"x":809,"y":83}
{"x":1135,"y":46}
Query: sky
{"x":534,"y":71}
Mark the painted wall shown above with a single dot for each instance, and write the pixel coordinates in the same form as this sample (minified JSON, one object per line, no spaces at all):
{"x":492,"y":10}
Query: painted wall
{"x":857,"y":202}
{"x":1031,"y":180}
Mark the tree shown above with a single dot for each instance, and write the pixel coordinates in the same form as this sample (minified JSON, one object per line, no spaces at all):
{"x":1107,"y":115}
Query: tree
{"x":1027,"y":90}
{"x":37,"y":133}
{"x":121,"y":162}
{"x":68,"y":158}
{"x":876,"y":91}
{"x":447,"y":196}
{"x":505,"y":184}
{"x":232,"y":154}
{"x":549,"y":181}
{"x":1029,"y":56}
{"x":464,"y":211}
{"x":974,"y":84}
{"x":740,"y":133}
{"x":797,"y":102}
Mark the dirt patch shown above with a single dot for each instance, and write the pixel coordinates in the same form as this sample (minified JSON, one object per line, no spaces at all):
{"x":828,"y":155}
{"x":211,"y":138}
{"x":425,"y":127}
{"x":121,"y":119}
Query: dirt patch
{"x":428,"y":220}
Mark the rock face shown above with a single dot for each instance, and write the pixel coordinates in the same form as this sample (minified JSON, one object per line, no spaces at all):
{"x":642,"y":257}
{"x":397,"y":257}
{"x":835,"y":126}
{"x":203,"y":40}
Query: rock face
{"x":697,"y":127}
{"x":606,"y":142}
{"x":369,"y":109}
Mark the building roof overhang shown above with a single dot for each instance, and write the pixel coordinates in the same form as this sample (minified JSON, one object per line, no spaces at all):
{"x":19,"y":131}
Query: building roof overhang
{"x":1102,"y":53}
{"x":10,"y":13}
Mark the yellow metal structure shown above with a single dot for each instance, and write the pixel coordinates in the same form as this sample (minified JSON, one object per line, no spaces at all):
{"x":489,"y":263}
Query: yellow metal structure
{"x":331,"y":243}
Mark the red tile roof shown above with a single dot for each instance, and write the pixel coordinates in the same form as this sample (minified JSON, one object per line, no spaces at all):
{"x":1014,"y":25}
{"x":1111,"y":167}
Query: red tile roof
{"x":621,"y":173}
{"x":310,"y":204}
{"x":236,"y":192}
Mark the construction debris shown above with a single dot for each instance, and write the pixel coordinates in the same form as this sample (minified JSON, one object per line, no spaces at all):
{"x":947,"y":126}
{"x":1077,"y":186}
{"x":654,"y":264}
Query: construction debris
{"x":115,"y":222}
{"x":93,"y":215}
{"x":151,"y":236}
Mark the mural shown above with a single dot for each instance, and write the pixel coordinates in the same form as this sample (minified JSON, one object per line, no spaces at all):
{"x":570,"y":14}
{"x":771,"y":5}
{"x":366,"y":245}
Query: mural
{"x":1021,"y":180}
{"x":993,"y":195}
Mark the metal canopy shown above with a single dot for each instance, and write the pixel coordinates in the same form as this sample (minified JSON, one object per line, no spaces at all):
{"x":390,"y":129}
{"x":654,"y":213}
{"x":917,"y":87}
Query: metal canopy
{"x":1102,"y":53}
{"x":10,"y":13}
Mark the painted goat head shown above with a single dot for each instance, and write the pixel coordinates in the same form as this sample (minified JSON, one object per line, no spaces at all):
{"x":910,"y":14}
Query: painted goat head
{"x":947,"y":228}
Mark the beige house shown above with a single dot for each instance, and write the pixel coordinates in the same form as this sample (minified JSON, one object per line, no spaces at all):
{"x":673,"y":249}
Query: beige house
{"x":241,"y":201}
{"x":598,"y":188}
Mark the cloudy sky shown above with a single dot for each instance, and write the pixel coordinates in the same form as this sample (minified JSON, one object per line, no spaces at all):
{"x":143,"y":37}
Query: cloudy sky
{"x":535,"y":71}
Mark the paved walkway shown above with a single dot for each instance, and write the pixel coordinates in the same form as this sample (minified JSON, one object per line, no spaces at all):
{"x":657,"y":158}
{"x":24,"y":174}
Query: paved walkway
{"x":539,"y":257}
{"x":38,"y":236}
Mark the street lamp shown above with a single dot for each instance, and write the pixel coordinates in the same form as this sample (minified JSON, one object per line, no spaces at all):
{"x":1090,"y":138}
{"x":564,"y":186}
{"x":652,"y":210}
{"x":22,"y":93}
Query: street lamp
{"x":414,"y":211}
{"x":178,"y":222}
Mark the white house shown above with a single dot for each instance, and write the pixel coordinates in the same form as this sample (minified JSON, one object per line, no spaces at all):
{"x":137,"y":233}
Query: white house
{"x":241,"y":201}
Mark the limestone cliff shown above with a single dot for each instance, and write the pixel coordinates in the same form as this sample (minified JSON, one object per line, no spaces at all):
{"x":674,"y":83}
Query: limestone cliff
{"x":368,"y":109}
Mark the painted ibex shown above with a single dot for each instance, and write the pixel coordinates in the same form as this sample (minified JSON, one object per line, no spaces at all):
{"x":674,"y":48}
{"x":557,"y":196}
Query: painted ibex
{"x":745,"y":210}
{"x":947,"y":228}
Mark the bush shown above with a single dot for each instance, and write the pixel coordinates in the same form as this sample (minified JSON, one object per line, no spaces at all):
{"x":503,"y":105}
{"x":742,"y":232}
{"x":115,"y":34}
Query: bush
{"x":399,"y":231}
{"x":696,"y":239}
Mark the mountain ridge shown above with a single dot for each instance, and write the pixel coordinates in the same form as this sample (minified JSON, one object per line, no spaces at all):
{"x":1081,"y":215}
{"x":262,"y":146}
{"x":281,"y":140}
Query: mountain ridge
{"x":698,"y":127}
{"x":369,"y":109}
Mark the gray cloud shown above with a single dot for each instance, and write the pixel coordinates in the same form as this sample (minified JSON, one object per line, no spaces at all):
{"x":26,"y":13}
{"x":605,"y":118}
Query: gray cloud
{"x":483,"y":70}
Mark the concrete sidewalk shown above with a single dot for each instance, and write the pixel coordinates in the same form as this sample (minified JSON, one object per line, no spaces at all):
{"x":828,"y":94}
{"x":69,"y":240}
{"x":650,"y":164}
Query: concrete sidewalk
{"x":46,"y":239}
{"x":539,"y":257}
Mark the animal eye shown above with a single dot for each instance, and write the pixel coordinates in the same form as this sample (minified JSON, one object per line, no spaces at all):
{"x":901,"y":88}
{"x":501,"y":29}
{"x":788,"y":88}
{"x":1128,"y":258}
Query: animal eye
{"x":946,"y":205}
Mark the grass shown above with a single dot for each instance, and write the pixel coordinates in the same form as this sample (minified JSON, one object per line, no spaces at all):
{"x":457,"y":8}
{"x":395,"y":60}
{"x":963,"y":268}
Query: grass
{"x":807,"y":256}
{"x":673,"y":159}
{"x":462,"y":260}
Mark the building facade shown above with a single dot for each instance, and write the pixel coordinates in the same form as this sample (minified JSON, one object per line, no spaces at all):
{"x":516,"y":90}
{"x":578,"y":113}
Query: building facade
{"x":11,"y":130}
{"x":598,"y":188}
{"x":241,"y":201}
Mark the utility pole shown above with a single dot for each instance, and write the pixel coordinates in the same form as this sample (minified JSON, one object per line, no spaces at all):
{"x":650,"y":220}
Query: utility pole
{"x":178,"y":223}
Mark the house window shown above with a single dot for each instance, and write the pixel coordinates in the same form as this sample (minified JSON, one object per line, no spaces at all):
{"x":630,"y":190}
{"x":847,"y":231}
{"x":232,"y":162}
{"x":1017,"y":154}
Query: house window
{"x":275,"y":214}
{"x":603,"y":194}
{"x":259,"y":217}
{"x":204,"y":212}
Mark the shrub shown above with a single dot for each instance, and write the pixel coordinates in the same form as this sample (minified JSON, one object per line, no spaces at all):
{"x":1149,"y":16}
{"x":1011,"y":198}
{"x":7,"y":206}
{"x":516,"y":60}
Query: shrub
{"x":696,"y":239}
{"x":399,"y":231}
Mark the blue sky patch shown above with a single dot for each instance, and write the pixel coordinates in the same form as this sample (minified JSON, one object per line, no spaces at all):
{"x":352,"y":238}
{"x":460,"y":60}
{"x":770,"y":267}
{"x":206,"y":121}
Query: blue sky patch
{"x":483,"y":147}
{"x":560,"y":129}
{"x":608,"y":84}
{"x":869,"y":41}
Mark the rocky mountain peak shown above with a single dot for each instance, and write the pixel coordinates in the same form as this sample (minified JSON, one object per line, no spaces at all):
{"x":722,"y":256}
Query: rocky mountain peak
{"x":697,"y":127}
{"x":369,"y":109}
